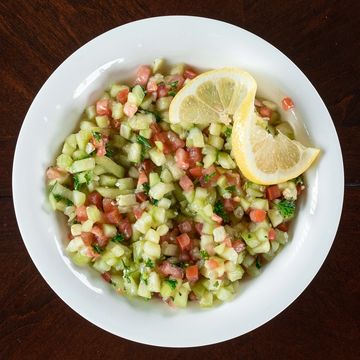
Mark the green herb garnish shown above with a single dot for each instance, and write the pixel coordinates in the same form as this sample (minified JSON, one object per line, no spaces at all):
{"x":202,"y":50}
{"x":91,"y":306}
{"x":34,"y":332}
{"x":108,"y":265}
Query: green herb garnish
{"x":149,"y":263}
{"x":154,"y":201}
{"x":216,"y":283}
{"x":207,"y":177}
{"x":172,"y":93}
{"x":174,"y":84}
{"x":231,"y":188}
{"x":257,"y":263}
{"x":109,"y":151}
{"x":204,"y":254}
{"x":146,"y":188}
{"x":118,"y":238}
{"x":286,"y":208}
{"x":228,"y":132}
{"x":96,"y":135}
{"x":88,"y":177}
{"x":97,"y":248}
{"x":60,"y":198}
{"x":77,"y":183}
{"x":155,"y":113}
{"x":143,"y":141}
{"x":172,"y":283}
{"x":219,"y":210}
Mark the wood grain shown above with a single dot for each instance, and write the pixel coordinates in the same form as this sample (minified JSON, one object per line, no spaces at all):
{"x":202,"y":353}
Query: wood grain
{"x":321,"y":37}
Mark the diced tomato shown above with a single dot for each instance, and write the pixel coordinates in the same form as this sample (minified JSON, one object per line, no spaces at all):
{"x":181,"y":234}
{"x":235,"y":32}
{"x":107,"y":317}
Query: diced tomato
{"x":170,"y":237}
{"x":283,"y":226}
{"x":273,"y":192}
{"x":185,"y":226}
{"x":90,"y":252}
{"x":106,"y":276}
{"x":141,"y":197}
{"x":113,"y":217}
{"x":168,"y":269}
{"x":103,"y":107}
{"x":189,"y":74}
{"x":192,"y":273}
{"x":199,"y":227}
{"x":162,"y":90}
{"x":210,"y":177}
{"x":196,"y":171}
{"x":265,"y":111}
{"x":175,"y":79}
{"x":287,"y":103}
{"x":195,"y":155}
{"x":299,"y":189}
{"x":101,"y":150}
{"x":182,"y":158}
{"x":184,"y":241}
{"x":54,"y":173}
{"x":257,"y":215}
{"x":155,"y":128}
{"x":81,"y":214}
{"x":272,"y":234}
{"x":88,"y":238}
{"x":229,"y":205}
{"x":212,"y":264}
{"x":218,"y":219}
{"x":233,"y":179}
{"x":108,"y":205}
{"x":95,"y":198}
{"x":148,"y":166}
{"x":192,"y":296}
{"x":142,"y":75}
{"x":100,"y":237}
{"x":184,"y":256}
{"x":186,"y":183}
{"x":162,"y":137}
{"x":227,"y":241}
{"x":238,"y":246}
{"x":142,"y":178}
{"x":138,"y":212}
{"x":122,"y":95}
{"x":125,"y":228}
{"x":151,"y":86}
{"x":130,"y":109}
{"x":175,"y":141}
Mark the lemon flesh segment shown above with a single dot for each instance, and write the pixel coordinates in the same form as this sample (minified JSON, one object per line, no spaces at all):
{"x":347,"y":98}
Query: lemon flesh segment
{"x":266,"y":159}
{"x":213,"y":96}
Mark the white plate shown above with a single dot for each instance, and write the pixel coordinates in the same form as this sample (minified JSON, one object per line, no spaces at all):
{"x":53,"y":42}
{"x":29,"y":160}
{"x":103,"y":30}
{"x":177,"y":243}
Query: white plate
{"x":80,"y":80}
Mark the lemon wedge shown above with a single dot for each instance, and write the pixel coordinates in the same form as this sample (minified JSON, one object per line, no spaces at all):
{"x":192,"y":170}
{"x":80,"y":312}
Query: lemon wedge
{"x":227,"y":96}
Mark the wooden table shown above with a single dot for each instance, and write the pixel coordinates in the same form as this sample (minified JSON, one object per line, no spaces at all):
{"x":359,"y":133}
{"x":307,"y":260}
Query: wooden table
{"x":321,"y":37}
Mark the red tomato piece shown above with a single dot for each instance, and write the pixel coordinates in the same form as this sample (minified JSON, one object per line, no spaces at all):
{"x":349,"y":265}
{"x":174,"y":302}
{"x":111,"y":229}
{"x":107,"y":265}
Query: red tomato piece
{"x":257,"y":215}
{"x":175,"y":79}
{"x":265,"y":111}
{"x":283,"y":226}
{"x":95,"y":198}
{"x":142,"y":75}
{"x":182,"y":159}
{"x":189,"y":74}
{"x":195,"y":155}
{"x":155,"y":128}
{"x":199,"y":227}
{"x":125,"y":228}
{"x":233,"y":179}
{"x":101,"y":150}
{"x":81,"y":214}
{"x":273,"y":192}
{"x":151,"y":86}
{"x":227,"y":241}
{"x":287,"y":103}
{"x":122,"y":95}
{"x":141,"y":197}
{"x":54,"y":173}
{"x":138,"y":212}
{"x":196,"y":171}
{"x":210,"y":177}
{"x":106,"y":276}
{"x":212,"y":264}
{"x":186,"y":183}
{"x":238,"y":246}
{"x":184,"y":242}
{"x":100,"y":237}
{"x":142,"y":178}
{"x":168,"y":269}
{"x":217,"y":218}
{"x":162,"y":90}
{"x":192,"y":273}
{"x":185,"y":226}
{"x":113,"y":217}
{"x":109,"y":205}
{"x":103,"y":107}
{"x":175,"y":141}
{"x":88,"y":238}
{"x":148,"y":166}
{"x":230,"y":205}
{"x":130,"y":109}
{"x":272,"y":234}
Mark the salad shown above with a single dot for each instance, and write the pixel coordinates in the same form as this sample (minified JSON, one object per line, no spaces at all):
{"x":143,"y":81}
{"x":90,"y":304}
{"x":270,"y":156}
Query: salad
{"x":161,"y":209}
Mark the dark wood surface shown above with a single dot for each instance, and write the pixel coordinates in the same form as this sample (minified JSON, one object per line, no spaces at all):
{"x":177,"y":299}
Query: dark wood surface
{"x":321,"y":37}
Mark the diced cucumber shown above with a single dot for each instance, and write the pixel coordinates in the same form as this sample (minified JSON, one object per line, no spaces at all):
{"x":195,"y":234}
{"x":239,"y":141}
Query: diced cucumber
{"x":108,"y":180}
{"x":93,"y":213}
{"x":117,"y":111}
{"x":79,"y":198}
{"x":275,"y":217}
{"x":126,"y":200}
{"x":157,"y":157}
{"x":82,"y":165}
{"x":181,"y":297}
{"x":152,"y":250}
{"x":178,"y":69}
{"x":64,"y":161}
{"x":82,"y":138}
{"x":140,"y":121}
{"x":216,"y":141}
{"x":195,"y":138}
{"x":111,"y":193}
{"x":125,"y":183}
{"x":125,"y":131}
{"x":62,"y":191}
{"x":225,"y":161}
{"x":160,"y":189}
{"x":110,"y":166}
{"x":134,"y":153}
{"x":90,"y":112}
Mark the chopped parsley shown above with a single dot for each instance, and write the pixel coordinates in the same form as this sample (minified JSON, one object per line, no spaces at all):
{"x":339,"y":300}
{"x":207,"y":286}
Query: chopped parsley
{"x":172,"y":283}
{"x":88,"y":177}
{"x":143,"y":153}
{"x":207,"y":177}
{"x":59,"y":198}
{"x":118,"y":238}
{"x":257,"y":263}
{"x":77,"y":183}
{"x":228,"y":132}
{"x":146,"y":188}
{"x":155,"y":113}
{"x":144,"y":279}
{"x":216,"y":283}
{"x":298,"y":180}
{"x":109,"y":151}
{"x":204,"y":254}
{"x":143,"y":141}
{"x":97,"y":248}
{"x":149,"y":263}
{"x":219,"y":210}
{"x":174,"y":84}
{"x":96,"y":135}
{"x":172,"y":93}
{"x":286,"y":208}
{"x":231,"y":188}
{"x":154,"y":201}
